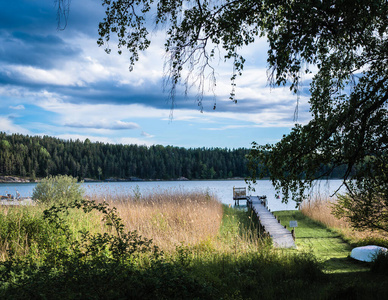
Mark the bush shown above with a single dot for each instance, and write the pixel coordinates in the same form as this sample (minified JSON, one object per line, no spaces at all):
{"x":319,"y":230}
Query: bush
{"x":58,"y":189}
{"x":380,"y":263}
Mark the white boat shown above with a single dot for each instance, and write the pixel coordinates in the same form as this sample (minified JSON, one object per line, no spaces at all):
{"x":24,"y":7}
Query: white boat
{"x":367,"y":253}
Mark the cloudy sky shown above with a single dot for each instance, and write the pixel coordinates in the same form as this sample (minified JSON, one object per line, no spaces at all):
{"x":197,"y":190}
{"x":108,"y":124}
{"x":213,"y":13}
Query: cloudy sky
{"x":60,"y":83}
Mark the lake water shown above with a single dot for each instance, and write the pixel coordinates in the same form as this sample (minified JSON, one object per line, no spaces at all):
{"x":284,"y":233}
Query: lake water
{"x":223,"y":189}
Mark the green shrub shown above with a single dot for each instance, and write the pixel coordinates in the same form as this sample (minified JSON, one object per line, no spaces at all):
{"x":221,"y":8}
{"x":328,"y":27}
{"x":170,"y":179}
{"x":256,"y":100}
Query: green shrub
{"x":58,"y":189}
{"x":380,"y":263}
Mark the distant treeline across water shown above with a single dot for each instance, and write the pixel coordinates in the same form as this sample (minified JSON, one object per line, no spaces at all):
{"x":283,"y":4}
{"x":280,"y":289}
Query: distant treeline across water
{"x":35,"y":156}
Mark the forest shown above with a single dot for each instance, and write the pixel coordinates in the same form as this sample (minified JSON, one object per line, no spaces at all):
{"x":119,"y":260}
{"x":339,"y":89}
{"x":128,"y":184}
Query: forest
{"x":36,"y":157}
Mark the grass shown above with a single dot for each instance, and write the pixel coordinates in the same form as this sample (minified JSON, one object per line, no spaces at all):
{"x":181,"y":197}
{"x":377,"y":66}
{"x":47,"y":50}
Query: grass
{"x":23,"y":229}
{"x":327,"y":245}
{"x":345,"y":278}
{"x":320,"y":210}
{"x":246,"y":265}
{"x":171,"y":217}
{"x":207,"y":251}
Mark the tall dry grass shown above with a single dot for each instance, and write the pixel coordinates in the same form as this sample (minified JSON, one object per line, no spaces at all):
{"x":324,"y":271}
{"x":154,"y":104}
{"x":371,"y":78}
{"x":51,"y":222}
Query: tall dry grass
{"x":170,"y":217}
{"x":320,"y":210}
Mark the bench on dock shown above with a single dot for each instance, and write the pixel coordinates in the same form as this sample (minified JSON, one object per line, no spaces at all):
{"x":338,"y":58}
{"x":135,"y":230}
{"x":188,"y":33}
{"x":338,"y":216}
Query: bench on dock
{"x":239,"y":193}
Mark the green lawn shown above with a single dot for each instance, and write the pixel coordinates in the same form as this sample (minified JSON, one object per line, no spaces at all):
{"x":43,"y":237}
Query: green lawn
{"x":326,"y":245}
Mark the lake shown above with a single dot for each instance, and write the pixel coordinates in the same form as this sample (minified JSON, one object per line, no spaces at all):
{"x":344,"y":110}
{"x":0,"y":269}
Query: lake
{"x":223,"y":189}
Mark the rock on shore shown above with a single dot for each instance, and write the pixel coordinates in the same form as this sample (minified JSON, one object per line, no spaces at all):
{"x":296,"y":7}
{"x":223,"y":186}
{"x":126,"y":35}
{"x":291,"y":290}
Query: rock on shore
{"x":12,"y":179}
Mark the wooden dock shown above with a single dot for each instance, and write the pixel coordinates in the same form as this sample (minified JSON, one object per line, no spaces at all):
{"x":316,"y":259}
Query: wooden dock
{"x":281,"y":237}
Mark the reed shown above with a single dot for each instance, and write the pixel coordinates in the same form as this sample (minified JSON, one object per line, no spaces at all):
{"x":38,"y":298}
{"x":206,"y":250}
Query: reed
{"x":170,"y":217}
{"x":320,"y":209}
{"x":196,"y":220}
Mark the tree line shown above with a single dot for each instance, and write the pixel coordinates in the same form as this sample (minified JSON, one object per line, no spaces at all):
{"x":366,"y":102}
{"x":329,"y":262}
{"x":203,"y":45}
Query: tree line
{"x":35,"y":156}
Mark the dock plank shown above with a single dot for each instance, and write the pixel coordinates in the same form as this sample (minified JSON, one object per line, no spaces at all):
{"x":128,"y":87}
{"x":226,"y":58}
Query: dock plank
{"x":281,"y":237}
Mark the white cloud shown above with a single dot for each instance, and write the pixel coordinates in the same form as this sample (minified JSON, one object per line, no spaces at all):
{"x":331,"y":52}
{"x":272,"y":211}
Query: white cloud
{"x":104,"y":124}
{"x":104,"y":116}
{"x":17,"y":107}
{"x":82,"y":137}
{"x":137,"y":141}
{"x":101,"y":122}
{"x":9,"y":127}
{"x":70,"y":113}
{"x":107,"y":140}
{"x":97,"y":65}
{"x":93,"y":65}
{"x":147,"y":135}
{"x":41,"y":76}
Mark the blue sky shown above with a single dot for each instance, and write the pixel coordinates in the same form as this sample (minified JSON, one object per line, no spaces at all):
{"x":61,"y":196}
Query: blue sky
{"x":60,"y":83}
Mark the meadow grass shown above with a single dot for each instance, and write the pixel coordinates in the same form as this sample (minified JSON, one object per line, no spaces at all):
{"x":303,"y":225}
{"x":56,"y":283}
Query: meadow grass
{"x":327,"y":245}
{"x":19,"y":228}
{"x":169,"y":218}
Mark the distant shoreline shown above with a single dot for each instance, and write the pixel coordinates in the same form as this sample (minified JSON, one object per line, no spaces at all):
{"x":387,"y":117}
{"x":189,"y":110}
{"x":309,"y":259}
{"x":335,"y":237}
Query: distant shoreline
{"x":16,"y":179}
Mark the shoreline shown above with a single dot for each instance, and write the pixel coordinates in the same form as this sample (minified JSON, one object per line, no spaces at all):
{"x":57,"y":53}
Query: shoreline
{"x":14,"y":179}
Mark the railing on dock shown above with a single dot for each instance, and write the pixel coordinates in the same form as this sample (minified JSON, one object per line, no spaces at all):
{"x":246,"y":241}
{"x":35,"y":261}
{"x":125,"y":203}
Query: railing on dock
{"x":281,"y":237}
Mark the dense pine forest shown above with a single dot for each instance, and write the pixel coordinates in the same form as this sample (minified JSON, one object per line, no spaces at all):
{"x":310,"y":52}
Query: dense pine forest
{"x":34,"y":157}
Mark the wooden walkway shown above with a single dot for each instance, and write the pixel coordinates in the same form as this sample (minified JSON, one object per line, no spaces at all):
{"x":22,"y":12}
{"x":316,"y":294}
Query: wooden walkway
{"x":281,"y":237}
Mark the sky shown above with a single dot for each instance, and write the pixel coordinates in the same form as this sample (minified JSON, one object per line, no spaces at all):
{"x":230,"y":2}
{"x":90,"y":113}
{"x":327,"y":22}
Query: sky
{"x":60,"y":83}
